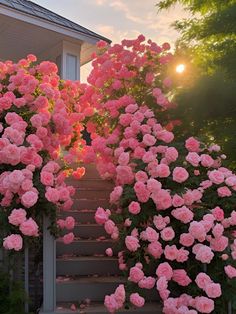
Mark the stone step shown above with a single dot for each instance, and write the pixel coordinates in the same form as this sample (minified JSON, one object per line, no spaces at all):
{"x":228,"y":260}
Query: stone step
{"x":88,"y":230}
{"x":92,"y":194}
{"x":93,"y":184}
{"x":70,"y":289}
{"x":84,"y":247}
{"x":81,"y":216}
{"x":85,"y":265}
{"x":87,"y":203}
{"x":99,"y":308}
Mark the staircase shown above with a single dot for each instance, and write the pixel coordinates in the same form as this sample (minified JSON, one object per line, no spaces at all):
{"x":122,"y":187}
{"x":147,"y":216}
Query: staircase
{"x":84,"y":273}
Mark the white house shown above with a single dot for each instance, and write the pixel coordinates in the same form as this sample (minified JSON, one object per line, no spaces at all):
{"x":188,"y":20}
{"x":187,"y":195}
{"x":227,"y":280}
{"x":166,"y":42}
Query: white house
{"x":26,"y":27}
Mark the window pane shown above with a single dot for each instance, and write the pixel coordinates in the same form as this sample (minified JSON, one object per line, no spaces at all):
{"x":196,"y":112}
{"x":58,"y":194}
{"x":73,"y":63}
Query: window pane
{"x":71,"y":67}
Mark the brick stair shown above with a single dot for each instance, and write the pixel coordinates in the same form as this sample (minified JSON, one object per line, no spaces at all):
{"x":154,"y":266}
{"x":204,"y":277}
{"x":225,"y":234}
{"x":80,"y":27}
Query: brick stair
{"x":82,"y":268}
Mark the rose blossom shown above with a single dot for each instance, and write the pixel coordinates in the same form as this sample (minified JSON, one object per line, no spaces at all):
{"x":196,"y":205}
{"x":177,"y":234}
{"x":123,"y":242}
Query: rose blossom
{"x":69,"y":223}
{"x":13,"y":242}
{"x":163,"y":171}
{"x":230,"y":271}
{"x":183,"y":214}
{"x":135,"y":274}
{"x":155,"y":249}
{"x":132,"y":243}
{"x":17,"y":216}
{"x":186,"y":239}
{"x":213,"y":290}
{"x":147,"y":282}
{"x":180,"y":174}
{"x":167,"y":234}
{"x":192,"y":145}
{"x":207,"y":160}
{"x":202,"y":280}
{"x":204,"y":305}
{"x":46,"y":178}
{"x":193,"y":159}
{"x":204,"y":254}
{"x":216,"y":176}
{"x":180,"y":276}
{"x":164,"y":270}
{"x":29,"y":228}
{"x":134,"y":208}
{"x":137,"y":300}
{"x":224,"y":191}
{"x":68,"y":238}
{"x":218,"y":213}
{"x":171,"y":252}
{"x":29,"y":199}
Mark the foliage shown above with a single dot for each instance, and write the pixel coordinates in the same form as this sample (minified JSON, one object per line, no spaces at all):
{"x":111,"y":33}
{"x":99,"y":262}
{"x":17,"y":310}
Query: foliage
{"x":208,"y":46}
{"x":175,"y":217}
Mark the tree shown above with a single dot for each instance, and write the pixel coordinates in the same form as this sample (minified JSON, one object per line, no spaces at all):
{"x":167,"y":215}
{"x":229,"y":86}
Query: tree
{"x":206,"y":106}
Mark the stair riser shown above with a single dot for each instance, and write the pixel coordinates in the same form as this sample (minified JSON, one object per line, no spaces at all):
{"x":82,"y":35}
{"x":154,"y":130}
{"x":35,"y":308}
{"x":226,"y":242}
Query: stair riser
{"x":91,"y":194}
{"x":74,"y":291}
{"x":80,"y":217}
{"x":84,"y":203}
{"x":84,"y":268}
{"x":93,"y":184}
{"x":81,"y":248}
{"x":88,"y":231}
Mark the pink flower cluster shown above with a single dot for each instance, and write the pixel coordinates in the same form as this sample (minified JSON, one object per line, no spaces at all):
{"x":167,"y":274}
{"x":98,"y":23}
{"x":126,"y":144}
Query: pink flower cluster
{"x":39,"y":115}
{"x":176,"y":203}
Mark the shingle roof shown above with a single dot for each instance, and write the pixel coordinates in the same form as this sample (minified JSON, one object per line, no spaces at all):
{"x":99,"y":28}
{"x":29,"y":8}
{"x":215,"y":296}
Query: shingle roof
{"x":36,"y":10}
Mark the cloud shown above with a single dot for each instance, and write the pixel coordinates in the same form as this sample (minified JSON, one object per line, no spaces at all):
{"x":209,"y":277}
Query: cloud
{"x":116,"y":35}
{"x":100,"y":2}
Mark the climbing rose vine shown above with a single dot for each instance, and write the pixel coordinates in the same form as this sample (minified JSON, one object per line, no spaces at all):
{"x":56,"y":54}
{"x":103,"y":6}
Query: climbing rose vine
{"x":39,"y":115}
{"x":175,"y":202}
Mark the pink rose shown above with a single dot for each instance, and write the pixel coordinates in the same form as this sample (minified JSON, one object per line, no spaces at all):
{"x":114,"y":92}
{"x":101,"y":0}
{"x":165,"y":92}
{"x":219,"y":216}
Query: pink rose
{"x":163,"y":171}
{"x":204,"y":254}
{"x":135,"y":274}
{"x":171,"y":252}
{"x":167,"y":234}
{"x":13,"y":242}
{"x":153,"y":185}
{"x":213,"y":290}
{"x":109,"y":226}
{"x":134,"y":208}
{"x":204,"y":305}
{"x":183,"y":214}
{"x":186,"y":239}
{"x":162,"y":284}
{"x":193,"y":159}
{"x":207,"y":161}
{"x":147,"y":283}
{"x":137,"y":300}
{"x":61,"y":223}
{"x":124,"y":175}
{"x":149,"y":140}
{"x":177,"y":200}
{"x":68,"y":238}
{"x":180,"y":174}
{"x":46,"y":178}
{"x":164,"y":270}
{"x":17,"y":216}
{"x":162,"y":199}
{"x":52,"y":195}
{"x":218,"y":213}
{"x":155,"y":249}
{"x":69,"y":223}
{"x":29,"y":199}
{"x":116,"y":194}
{"x":224,"y":191}
{"x":109,"y":252}
{"x":202,"y":280}
{"x":102,"y":215}
{"x":192,"y":145}
{"x":216,"y":176}
{"x":180,"y":276}
{"x":123,"y":159}
{"x":171,"y":154}
{"x":29,"y":228}
{"x":132,"y":243}
{"x":141,"y":176}
{"x":197,"y":230}
{"x":230,"y":271}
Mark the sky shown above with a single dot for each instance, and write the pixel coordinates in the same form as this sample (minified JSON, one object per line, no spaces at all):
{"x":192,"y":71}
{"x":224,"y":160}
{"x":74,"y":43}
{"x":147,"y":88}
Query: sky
{"x":119,"y":19}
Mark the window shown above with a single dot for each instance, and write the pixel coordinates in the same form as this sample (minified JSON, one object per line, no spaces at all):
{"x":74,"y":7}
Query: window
{"x":58,"y":63}
{"x":71,"y":67}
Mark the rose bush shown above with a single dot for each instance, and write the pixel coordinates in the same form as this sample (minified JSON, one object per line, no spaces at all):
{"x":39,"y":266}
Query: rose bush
{"x":39,"y":117}
{"x":175,"y":217}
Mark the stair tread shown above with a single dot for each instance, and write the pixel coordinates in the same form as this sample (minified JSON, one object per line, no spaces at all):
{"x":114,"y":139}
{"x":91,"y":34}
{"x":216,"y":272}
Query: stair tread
{"x":92,"y":279}
{"x":87,"y":240}
{"x":86,"y":258}
{"x":98,"y":307}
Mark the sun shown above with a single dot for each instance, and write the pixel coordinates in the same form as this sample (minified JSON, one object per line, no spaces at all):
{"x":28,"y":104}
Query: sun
{"x":180,"y":68}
